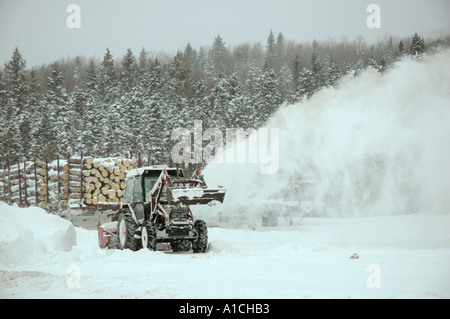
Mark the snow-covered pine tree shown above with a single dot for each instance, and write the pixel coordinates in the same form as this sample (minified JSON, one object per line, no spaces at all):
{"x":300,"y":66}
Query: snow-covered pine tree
{"x":226,"y":102}
{"x":372,"y":62}
{"x":417,"y":46}
{"x":280,"y":53}
{"x":152,"y":139}
{"x":2,"y":120}
{"x":192,"y":71}
{"x":252,"y":94}
{"x":270,"y":97}
{"x":34,"y":98}
{"x":388,"y":55}
{"x":317,"y":67}
{"x":110,"y":143}
{"x":335,"y":72}
{"x":219,"y":56}
{"x":271,"y":52}
{"x":90,"y":130}
{"x":307,"y":84}
{"x":143,"y":71}
{"x":401,"y":49}
{"x":77,"y":105}
{"x":206,"y":68}
{"x":128,"y":72}
{"x":62,"y":115}
{"x":16,"y":130}
{"x":295,"y":88}
{"x":285,"y":85}
{"x":200,"y":104}
{"x":107,"y":81}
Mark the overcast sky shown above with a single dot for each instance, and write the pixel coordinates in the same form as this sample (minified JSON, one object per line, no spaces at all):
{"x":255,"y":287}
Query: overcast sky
{"x":39,"y":29}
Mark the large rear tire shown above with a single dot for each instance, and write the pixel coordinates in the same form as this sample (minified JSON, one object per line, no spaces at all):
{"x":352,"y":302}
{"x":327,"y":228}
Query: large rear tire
{"x":200,"y":244}
{"x":126,"y":229}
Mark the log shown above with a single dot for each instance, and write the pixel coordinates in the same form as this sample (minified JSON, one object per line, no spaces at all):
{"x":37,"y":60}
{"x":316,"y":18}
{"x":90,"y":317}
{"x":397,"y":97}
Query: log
{"x":89,"y":160}
{"x":43,"y":190}
{"x":78,"y":160}
{"x":111,"y":194}
{"x":105,"y":190}
{"x":89,"y":188}
{"x":116,"y":171}
{"x":41,"y":164}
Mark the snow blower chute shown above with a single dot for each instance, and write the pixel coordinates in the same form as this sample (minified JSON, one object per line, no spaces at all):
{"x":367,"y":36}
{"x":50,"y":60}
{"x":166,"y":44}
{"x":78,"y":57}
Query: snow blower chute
{"x":156,"y":209}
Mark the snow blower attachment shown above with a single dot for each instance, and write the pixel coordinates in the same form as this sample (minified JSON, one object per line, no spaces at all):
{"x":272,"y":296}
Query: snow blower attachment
{"x":156,"y":209}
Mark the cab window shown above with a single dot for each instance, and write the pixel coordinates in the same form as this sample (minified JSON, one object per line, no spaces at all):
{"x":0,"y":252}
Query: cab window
{"x":128,"y":191}
{"x":149,"y":182}
{"x":137,"y":190}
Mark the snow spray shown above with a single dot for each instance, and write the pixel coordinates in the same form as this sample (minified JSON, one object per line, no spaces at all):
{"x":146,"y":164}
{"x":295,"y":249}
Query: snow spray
{"x":377,"y":144}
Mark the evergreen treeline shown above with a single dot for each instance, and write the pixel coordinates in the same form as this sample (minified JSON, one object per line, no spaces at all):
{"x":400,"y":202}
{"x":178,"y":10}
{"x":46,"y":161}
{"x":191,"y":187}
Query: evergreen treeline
{"x":132,"y":103}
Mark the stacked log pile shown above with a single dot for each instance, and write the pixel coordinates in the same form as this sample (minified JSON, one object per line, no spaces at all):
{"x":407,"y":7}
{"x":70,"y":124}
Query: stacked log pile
{"x":97,"y":181}
{"x":17,"y":183}
{"x":49,"y":183}
{"x":75,"y":182}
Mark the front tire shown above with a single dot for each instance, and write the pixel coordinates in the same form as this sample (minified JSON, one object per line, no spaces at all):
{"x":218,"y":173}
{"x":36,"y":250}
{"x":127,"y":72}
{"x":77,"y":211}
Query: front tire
{"x":180,"y":245}
{"x":200,"y":244}
{"x":148,"y":235}
{"x":126,"y":229}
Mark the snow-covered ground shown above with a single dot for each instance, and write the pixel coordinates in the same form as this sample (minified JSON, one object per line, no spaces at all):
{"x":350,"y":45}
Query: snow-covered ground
{"x":407,"y":256}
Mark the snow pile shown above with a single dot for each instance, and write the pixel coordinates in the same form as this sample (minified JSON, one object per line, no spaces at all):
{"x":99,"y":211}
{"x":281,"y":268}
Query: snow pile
{"x":30,"y":232}
{"x":376,"y":145}
{"x":190,"y":193}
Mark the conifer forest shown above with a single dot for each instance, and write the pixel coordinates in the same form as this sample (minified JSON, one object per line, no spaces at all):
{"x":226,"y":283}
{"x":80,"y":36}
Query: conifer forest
{"x":128,"y":103}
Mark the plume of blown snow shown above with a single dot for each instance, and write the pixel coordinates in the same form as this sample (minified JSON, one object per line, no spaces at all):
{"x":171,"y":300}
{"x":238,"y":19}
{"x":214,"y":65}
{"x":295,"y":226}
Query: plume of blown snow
{"x":378,"y":144}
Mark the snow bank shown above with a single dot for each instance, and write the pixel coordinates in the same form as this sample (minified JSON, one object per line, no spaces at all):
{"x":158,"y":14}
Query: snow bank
{"x":376,"y":145}
{"x":30,"y":232}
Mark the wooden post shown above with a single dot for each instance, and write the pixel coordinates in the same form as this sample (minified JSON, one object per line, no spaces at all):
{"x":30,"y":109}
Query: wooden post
{"x":68,"y":180}
{"x":139,"y":160}
{"x":46,"y":180}
{"x":25,"y":184}
{"x":4,"y":183}
{"x":35,"y":184}
{"x":81,"y":179}
{"x":9,"y":184}
{"x":20,"y":186}
{"x":59,"y":182}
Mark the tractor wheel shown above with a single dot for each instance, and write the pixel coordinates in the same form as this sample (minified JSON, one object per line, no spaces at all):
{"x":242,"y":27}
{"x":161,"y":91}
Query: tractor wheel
{"x":126,"y":229}
{"x":200,"y":244}
{"x":148,"y":235}
{"x":180,"y":245}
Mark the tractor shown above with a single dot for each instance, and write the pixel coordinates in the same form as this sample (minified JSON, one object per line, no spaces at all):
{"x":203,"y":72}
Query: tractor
{"x":155,"y":209}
